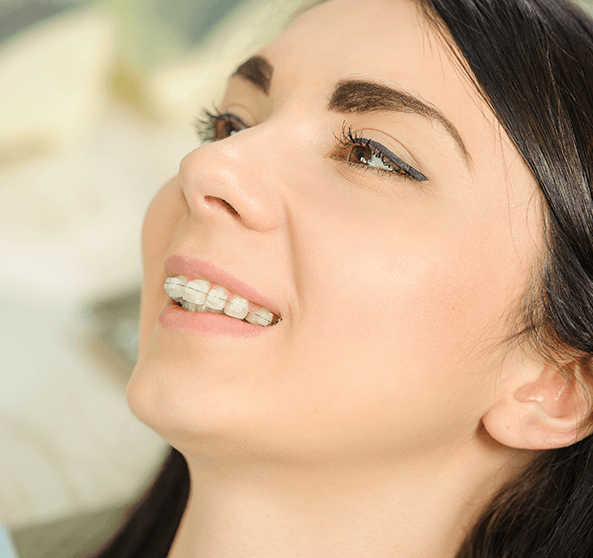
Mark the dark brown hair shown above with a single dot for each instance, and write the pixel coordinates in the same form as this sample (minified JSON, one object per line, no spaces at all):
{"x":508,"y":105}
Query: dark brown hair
{"x":532,"y":60}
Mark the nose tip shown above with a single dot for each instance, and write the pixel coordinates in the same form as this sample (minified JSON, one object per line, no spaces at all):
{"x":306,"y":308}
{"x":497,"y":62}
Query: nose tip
{"x":219,"y":181}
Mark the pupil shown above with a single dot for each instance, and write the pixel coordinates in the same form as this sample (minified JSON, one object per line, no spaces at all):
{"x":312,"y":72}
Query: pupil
{"x":224,"y":129}
{"x":362,"y":154}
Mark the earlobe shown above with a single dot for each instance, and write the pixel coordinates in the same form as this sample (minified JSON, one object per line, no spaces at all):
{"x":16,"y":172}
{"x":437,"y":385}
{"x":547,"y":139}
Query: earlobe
{"x":540,"y":407}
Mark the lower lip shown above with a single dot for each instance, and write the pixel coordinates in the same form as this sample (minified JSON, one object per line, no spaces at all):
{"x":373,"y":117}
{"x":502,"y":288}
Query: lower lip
{"x":206,"y":323}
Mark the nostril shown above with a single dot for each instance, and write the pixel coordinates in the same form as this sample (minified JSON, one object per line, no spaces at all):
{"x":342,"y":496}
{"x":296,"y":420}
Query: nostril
{"x":224,"y":203}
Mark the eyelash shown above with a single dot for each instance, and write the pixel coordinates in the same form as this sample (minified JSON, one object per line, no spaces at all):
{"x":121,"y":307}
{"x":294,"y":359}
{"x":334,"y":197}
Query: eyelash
{"x":209,"y":129}
{"x":351,"y":139}
{"x":207,"y":125}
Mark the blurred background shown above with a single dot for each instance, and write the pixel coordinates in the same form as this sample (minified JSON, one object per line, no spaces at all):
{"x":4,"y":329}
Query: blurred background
{"x":97,"y":104}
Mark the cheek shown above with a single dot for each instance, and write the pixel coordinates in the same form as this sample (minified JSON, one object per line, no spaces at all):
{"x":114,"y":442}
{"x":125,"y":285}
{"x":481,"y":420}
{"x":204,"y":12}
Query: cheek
{"x":400,"y":321}
{"x":433,"y":289}
{"x":160,"y":223}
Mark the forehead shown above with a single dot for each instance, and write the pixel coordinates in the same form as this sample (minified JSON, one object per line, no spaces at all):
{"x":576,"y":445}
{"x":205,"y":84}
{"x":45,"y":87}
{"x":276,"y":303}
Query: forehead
{"x":390,"y":42}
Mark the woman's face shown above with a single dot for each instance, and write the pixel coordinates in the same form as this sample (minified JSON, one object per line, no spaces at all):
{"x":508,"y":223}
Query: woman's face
{"x":362,"y":186}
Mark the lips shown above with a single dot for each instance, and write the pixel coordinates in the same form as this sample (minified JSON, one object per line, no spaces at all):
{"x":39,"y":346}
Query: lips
{"x":203,"y":269}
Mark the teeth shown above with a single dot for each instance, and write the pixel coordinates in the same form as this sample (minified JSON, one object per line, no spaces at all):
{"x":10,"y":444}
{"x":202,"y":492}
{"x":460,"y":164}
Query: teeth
{"x":175,"y":286}
{"x":262,"y":317}
{"x":196,"y":291}
{"x":197,"y":296}
{"x":189,"y":306}
{"x":237,"y":308}
{"x":217,"y":298}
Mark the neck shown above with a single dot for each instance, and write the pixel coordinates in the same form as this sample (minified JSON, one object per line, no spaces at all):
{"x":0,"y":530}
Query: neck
{"x":374,"y":510}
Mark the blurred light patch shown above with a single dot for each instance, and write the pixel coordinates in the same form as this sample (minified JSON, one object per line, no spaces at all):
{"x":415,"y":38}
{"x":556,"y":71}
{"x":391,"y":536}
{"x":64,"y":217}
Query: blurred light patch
{"x":52,"y":79}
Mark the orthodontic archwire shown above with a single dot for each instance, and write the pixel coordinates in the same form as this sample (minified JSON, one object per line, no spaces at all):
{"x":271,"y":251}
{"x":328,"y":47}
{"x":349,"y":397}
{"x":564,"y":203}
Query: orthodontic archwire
{"x":227,"y":302}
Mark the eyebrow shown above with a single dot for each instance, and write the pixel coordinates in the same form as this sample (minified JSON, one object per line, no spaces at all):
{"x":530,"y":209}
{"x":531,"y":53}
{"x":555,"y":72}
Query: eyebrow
{"x":360,"y":96}
{"x":258,"y":71}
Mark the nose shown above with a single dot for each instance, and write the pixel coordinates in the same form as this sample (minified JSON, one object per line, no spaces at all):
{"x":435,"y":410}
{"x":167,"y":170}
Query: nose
{"x":236,"y":178}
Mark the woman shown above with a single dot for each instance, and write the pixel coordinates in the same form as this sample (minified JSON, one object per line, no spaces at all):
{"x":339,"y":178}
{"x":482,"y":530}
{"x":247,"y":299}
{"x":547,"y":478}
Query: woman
{"x":394,"y":217}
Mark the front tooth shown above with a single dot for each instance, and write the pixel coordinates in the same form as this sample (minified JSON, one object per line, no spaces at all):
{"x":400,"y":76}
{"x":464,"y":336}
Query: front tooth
{"x":237,"y":308}
{"x":188,"y":305}
{"x":175,"y":286}
{"x":217,"y":298}
{"x":263,"y":317}
{"x":196,"y":291}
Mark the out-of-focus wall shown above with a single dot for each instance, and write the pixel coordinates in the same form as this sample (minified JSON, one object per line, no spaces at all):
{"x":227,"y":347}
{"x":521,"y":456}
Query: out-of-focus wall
{"x":97,"y":102}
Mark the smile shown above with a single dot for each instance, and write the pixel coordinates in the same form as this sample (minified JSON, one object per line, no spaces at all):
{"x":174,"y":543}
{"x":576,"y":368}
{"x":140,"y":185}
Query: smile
{"x":198,"y":295}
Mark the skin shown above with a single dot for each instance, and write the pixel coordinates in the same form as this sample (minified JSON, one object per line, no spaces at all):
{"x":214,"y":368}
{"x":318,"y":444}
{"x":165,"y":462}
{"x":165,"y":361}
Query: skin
{"x":356,"y":422}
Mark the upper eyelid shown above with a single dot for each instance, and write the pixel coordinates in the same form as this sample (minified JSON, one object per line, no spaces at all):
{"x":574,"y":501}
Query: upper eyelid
{"x":233,"y":117}
{"x":392,"y":157}
{"x":349,"y":137}
{"x":228,"y":116}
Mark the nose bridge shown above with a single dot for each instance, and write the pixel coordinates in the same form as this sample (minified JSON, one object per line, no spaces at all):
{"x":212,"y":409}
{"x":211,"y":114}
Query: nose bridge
{"x":236,"y":176}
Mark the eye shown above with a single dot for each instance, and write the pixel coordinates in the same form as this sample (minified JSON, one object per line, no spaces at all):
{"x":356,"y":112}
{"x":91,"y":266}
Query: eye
{"x":363,"y":155}
{"x":368,"y":154}
{"x":216,"y":126}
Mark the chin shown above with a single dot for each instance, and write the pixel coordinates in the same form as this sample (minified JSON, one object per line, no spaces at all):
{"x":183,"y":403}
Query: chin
{"x":189,"y":408}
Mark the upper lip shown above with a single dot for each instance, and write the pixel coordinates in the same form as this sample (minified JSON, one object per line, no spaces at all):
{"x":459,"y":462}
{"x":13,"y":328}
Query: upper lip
{"x":203,"y":269}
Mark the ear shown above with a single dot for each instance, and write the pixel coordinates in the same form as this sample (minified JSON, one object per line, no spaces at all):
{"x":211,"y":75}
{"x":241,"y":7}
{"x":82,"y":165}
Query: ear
{"x":540,"y":406}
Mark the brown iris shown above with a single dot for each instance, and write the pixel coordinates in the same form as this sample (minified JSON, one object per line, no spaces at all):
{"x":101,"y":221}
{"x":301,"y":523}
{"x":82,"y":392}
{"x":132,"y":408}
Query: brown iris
{"x":225,"y":126}
{"x":359,"y":154}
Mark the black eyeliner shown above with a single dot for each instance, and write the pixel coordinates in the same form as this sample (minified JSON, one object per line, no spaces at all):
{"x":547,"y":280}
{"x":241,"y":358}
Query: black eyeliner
{"x":230,"y":116}
{"x":392,"y":157}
